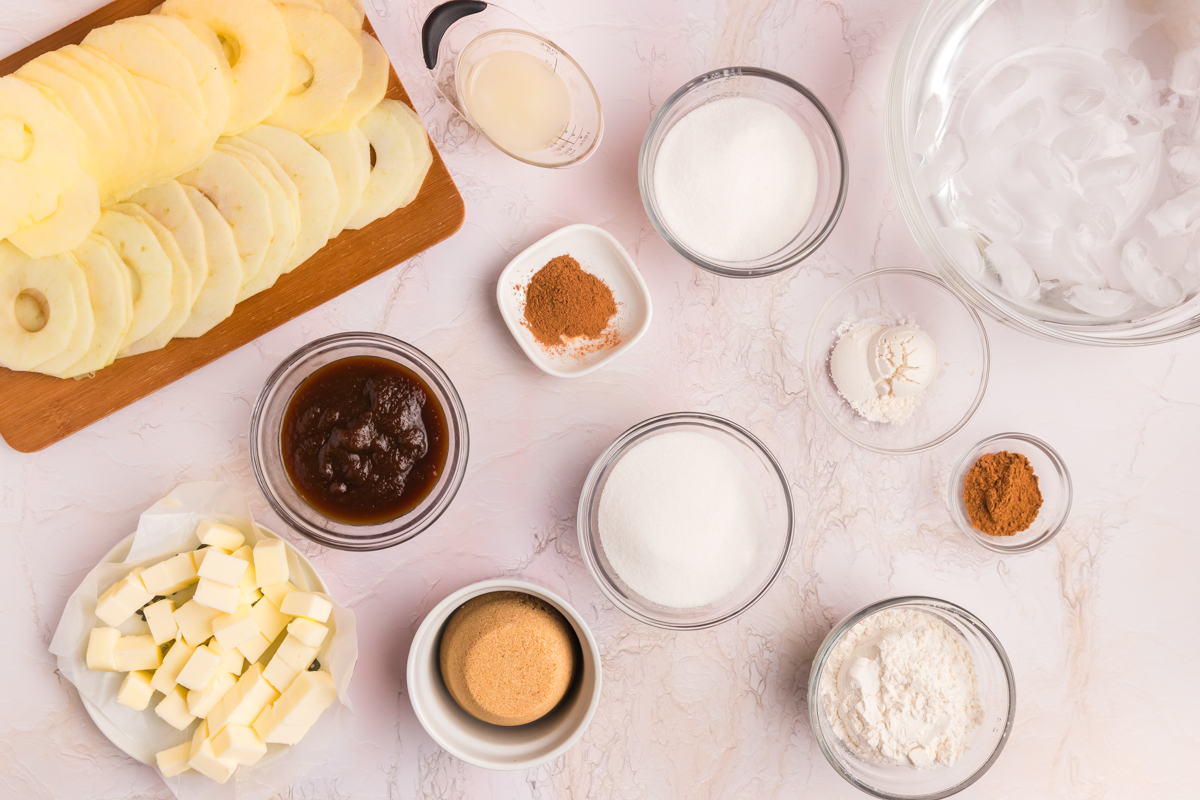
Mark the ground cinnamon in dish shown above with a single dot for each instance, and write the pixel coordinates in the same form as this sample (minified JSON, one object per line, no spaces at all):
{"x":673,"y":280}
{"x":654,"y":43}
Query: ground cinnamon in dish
{"x":563,"y":302}
{"x":1001,"y":493}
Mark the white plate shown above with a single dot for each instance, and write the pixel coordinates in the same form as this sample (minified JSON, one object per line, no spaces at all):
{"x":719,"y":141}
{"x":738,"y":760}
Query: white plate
{"x":599,"y":253}
{"x":116,"y":556}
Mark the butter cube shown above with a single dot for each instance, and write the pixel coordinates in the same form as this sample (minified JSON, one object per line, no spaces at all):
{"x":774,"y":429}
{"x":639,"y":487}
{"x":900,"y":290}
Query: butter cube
{"x":173,"y":662}
{"x":198,"y":556}
{"x":222,"y":597}
{"x":207,"y":764}
{"x":250,"y":597}
{"x":270,"y":562}
{"x":278,"y":591}
{"x":239,"y":743}
{"x":198,"y":737}
{"x":292,"y":658}
{"x":195,"y":622}
{"x":170,"y":576}
{"x":136,"y":691}
{"x":200,"y":669}
{"x":308,"y":632}
{"x":173,"y":709}
{"x":290,"y":718}
{"x":233,"y":629}
{"x":136,"y":652}
{"x":160,"y":617}
{"x":120,"y":600}
{"x":173,"y":761}
{"x":202,"y":702}
{"x":270,"y":620}
{"x":244,"y":702}
{"x":254,"y":648}
{"x":231,"y":659}
{"x":215,"y":534}
{"x":307,"y":604}
{"x":101,"y":643}
{"x":222,"y":568}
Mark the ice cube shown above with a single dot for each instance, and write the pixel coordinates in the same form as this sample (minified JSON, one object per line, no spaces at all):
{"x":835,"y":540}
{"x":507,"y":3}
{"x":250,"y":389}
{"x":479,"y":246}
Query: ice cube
{"x":1017,"y":278}
{"x":1094,"y":222}
{"x":928,"y":123}
{"x":1185,"y":159}
{"x":1083,"y":100}
{"x":1074,"y":260}
{"x":963,"y":250}
{"x":1097,"y":301}
{"x":1178,"y":215}
{"x":1132,"y":75}
{"x":1185,"y":75}
{"x":1075,"y":143}
{"x":1019,"y":125}
{"x":988,"y":215}
{"x":1045,"y":166}
{"x":1115,"y":171}
{"x":943,"y":165}
{"x":1008,"y":80}
{"x":1145,"y":276}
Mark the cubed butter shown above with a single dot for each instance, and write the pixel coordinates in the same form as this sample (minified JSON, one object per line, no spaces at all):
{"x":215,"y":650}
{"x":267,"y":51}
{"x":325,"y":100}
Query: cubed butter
{"x":239,"y":743}
{"x":137,"y":652}
{"x":199,"y":555}
{"x":206,"y":763}
{"x":136,"y":690}
{"x":101,"y":643}
{"x":216,"y":534}
{"x":170,"y":576}
{"x":174,"y":760}
{"x":160,"y":617}
{"x":306,"y":604}
{"x":244,"y":702}
{"x":200,"y":669}
{"x":254,"y":648}
{"x":270,"y":562}
{"x":233,"y":629}
{"x":195,"y":622}
{"x":231,"y":659}
{"x":222,"y":597}
{"x":173,"y":662}
{"x":122,"y":599}
{"x":278,"y":591}
{"x":292,"y":658}
{"x":270,"y":620}
{"x":174,"y":710}
{"x":245,"y":553}
{"x":250,"y":597}
{"x":222,"y":568}
{"x":308,"y":632}
{"x":291,"y":716}
{"x":198,"y":737}
{"x":202,"y":702}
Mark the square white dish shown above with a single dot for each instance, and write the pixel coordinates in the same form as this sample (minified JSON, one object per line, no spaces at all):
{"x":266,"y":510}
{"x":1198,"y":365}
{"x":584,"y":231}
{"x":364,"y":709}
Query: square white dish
{"x":599,"y":253}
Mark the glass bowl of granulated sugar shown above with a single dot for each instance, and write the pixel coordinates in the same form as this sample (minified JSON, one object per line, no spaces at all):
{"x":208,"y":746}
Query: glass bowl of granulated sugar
{"x":911,"y":698}
{"x":685,"y":521}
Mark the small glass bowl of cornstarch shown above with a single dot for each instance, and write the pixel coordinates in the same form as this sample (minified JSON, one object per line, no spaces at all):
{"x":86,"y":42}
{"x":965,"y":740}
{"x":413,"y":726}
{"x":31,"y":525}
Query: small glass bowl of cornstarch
{"x":685,"y":521}
{"x":743,"y":172}
{"x":924,"y":697}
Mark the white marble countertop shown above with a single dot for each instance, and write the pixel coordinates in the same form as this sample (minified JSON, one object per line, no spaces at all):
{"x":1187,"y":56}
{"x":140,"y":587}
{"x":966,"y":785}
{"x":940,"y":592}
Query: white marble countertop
{"x":1100,"y":625}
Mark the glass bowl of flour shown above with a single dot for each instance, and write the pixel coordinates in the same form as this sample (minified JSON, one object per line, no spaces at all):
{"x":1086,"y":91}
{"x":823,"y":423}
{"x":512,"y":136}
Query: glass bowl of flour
{"x":1046,"y":157}
{"x":685,"y":521}
{"x":743,"y":172}
{"x":911,"y":697}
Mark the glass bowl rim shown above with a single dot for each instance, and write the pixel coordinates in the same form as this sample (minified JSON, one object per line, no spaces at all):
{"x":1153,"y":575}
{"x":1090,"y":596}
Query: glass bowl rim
{"x":815,"y":707}
{"x":958,"y":473}
{"x":770,"y":267}
{"x":811,"y":375}
{"x":588,"y":497}
{"x":429,"y":371}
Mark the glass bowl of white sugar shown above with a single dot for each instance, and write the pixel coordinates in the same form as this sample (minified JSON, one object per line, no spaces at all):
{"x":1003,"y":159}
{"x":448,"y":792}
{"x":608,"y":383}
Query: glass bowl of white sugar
{"x":685,"y":521}
{"x":911,"y":698}
{"x":743,"y":172}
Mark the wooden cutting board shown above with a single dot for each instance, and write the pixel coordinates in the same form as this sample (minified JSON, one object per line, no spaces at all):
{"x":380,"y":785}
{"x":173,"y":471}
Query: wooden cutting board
{"x":37,"y":411}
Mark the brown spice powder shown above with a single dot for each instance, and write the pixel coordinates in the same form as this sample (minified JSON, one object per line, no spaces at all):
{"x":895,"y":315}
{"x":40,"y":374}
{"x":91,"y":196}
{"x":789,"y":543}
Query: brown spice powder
{"x":563,"y":302}
{"x":1001,"y":493}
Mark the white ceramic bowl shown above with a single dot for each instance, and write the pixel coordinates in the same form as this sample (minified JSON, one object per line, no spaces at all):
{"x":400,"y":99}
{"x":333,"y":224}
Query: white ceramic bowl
{"x":599,"y":253}
{"x":496,"y":746}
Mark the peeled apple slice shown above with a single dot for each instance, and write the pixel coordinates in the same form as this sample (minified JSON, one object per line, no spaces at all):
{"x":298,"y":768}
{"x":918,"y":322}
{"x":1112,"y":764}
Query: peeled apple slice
{"x":371,"y":88}
{"x":110,"y":293}
{"x":263,"y":156}
{"x":146,"y":53}
{"x":215,"y":303}
{"x":256,"y":45}
{"x":182,"y":141}
{"x":168,"y":204}
{"x":283,"y":221}
{"x":77,"y":213}
{"x":150,"y":271}
{"x":402,"y":158}
{"x":39,"y":301}
{"x":181,"y":284}
{"x":336,"y":60}
{"x":349,"y":156}
{"x":349,"y":13}
{"x":422,"y":150}
{"x":81,"y":335}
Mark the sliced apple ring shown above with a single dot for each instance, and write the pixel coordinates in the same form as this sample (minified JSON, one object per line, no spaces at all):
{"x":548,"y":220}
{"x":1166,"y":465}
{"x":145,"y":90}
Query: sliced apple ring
{"x":318,"y":40}
{"x":65,"y":229}
{"x":150,"y":271}
{"x":168,"y":204}
{"x":110,"y":295}
{"x":181,"y":284}
{"x":148,"y":54}
{"x":349,"y":156}
{"x":402,"y":159}
{"x":182,"y":141}
{"x":422,"y":150}
{"x":39,"y":306}
{"x":81,"y":334}
{"x":371,"y":88}
{"x":219,"y":296}
{"x":349,"y":13}
{"x":282,"y":219}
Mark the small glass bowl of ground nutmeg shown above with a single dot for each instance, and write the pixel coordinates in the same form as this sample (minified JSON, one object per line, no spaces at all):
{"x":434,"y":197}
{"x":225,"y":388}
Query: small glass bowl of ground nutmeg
{"x":1011,"y":493}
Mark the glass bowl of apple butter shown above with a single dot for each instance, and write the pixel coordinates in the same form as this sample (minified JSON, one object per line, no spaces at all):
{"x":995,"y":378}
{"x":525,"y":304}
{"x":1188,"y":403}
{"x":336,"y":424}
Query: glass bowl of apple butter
{"x":359,"y":441}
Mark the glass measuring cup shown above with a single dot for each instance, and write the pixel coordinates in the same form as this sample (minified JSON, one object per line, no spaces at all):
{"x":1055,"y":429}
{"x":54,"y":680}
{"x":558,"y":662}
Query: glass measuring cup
{"x":463,"y":38}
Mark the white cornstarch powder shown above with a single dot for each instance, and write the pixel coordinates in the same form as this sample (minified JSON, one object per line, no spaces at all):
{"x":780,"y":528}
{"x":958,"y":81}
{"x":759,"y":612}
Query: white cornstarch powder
{"x":899,"y":688}
{"x":682,"y":520}
{"x":735,"y":179}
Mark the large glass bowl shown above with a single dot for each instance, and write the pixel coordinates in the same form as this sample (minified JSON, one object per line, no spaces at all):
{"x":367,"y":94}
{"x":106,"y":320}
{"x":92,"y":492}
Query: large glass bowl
{"x":777,"y":538}
{"x":266,"y":442}
{"x":1058,"y":204}
{"x":814,"y":119}
{"x":997,"y":691}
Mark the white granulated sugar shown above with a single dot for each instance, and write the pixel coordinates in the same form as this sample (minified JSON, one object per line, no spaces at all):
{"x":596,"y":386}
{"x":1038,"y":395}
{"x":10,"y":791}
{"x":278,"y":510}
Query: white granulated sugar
{"x":736,"y":179}
{"x":900,"y":689}
{"x":682,"y":520}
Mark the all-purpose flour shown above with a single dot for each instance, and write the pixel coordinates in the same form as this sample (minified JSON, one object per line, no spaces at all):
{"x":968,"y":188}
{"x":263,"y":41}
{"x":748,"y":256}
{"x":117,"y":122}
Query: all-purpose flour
{"x":900,"y":689}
